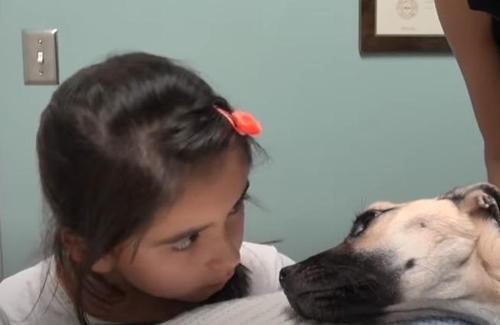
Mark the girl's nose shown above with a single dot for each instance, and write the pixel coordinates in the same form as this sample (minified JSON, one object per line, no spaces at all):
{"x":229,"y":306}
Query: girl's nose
{"x":225,"y":259}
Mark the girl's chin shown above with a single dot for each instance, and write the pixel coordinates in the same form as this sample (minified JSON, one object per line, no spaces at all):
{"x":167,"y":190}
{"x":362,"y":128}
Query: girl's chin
{"x":203,"y":293}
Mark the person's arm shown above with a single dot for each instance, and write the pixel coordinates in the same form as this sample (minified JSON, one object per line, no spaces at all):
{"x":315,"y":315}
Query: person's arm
{"x":470,"y":36}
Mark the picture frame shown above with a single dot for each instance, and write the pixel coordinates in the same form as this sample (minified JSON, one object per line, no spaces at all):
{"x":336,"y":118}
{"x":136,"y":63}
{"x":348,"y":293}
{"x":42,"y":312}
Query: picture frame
{"x":400,"y":26}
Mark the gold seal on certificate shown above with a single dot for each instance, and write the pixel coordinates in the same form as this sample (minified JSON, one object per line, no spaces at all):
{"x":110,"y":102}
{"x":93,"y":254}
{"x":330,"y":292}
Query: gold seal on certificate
{"x":407,"y":9}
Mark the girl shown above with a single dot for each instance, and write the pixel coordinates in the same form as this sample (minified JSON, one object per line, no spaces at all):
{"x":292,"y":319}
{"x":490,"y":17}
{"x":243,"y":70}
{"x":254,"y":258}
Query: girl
{"x":145,"y":170}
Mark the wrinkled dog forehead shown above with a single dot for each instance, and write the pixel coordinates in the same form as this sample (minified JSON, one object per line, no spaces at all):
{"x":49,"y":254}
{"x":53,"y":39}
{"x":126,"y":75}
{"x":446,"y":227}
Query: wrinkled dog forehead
{"x":459,"y":213}
{"x":480,"y":197}
{"x":390,"y":214}
{"x":411,"y":224}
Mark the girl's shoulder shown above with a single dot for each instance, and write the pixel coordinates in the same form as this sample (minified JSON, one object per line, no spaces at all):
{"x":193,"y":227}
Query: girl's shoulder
{"x":32,"y":296}
{"x":264,"y":263}
{"x":23,"y":284}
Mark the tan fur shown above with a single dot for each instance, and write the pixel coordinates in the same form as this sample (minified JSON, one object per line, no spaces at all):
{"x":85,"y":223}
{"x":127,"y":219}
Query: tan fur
{"x":436,"y":257}
{"x":456,"y":248}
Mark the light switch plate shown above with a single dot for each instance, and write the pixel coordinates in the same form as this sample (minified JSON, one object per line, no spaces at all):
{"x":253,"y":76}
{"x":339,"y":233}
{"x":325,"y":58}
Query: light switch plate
{"x":40,"y":57}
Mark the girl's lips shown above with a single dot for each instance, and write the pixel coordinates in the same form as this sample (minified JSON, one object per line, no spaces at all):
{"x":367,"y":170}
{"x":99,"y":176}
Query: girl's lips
{"x":221,"y":283}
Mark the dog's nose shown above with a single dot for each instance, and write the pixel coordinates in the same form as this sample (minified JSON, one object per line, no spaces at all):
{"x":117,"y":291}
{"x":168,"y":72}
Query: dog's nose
{"x":283,"y":274}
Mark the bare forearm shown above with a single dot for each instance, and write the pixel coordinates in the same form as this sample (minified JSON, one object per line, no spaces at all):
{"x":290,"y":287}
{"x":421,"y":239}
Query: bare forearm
{"x":470,"y":36}
{"x":493,"y":169}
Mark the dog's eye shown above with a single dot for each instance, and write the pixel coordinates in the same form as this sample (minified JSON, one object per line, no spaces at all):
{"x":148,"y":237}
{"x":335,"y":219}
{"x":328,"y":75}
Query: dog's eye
{"x":362,"y":222}
{"x":357,"y":229}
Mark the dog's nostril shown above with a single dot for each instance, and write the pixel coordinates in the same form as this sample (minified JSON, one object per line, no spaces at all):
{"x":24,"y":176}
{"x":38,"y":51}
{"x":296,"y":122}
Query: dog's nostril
{"x":410,"y":263}
{"x":283,"y":274}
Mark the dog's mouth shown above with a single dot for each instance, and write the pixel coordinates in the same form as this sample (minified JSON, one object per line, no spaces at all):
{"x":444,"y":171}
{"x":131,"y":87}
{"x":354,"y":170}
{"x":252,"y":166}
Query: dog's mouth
{"x":340,"y":287}
{"x":343,"y":304}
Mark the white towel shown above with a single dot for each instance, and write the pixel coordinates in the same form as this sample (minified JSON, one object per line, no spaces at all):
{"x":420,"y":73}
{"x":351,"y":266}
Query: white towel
{"x":269,"y":309}
{"x":273,"y":309}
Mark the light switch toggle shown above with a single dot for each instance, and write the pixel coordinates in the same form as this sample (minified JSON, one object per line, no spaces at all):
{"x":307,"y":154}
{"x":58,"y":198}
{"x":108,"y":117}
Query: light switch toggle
{"x":39,"y":57}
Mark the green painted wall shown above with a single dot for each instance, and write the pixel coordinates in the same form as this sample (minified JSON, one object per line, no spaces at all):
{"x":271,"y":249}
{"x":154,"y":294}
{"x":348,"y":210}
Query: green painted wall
{"x":341,"y":130}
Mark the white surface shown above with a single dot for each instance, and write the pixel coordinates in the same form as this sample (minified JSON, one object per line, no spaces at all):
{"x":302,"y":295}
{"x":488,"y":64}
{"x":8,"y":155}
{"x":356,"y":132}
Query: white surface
{"x":266,"y":309}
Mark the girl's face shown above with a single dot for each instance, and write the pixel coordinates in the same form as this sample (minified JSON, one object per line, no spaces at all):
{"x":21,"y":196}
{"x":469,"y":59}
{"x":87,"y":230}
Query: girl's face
{"x":192,"y":249}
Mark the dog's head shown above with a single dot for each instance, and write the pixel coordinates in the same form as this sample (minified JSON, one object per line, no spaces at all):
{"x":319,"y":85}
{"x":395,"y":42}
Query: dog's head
{"x":430,"y":249}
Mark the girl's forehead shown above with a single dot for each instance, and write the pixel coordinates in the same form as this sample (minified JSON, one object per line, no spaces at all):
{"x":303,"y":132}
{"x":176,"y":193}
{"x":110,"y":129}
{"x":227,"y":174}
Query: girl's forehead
{"x":211,"y":167}
{"x":207,"y":196}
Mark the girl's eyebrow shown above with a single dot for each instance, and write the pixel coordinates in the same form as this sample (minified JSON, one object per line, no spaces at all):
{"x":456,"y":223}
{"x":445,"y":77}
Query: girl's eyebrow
{"x":245,"y":190}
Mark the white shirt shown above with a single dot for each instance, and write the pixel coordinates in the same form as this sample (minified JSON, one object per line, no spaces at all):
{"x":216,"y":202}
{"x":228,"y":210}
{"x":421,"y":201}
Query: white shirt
{"x":30,"y":297}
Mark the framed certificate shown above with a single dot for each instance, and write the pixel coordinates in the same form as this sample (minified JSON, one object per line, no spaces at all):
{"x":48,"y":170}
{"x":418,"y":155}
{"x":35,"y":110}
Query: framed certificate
{"x":399,"y":26}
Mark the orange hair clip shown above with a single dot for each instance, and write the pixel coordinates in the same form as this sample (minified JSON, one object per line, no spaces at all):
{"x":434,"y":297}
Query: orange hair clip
{"x":243,"y":122}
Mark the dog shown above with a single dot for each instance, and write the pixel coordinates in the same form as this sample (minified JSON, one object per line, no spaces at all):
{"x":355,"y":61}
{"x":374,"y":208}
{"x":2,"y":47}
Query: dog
{"x":437,"y":257}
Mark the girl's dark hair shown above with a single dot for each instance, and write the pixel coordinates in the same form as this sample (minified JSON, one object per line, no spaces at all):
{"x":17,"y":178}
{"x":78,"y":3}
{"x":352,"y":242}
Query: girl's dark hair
{"x":116,"y":143}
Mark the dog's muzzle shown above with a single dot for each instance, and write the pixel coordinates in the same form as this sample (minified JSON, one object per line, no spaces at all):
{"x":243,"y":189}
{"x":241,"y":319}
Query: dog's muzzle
{"x":339,"y":286}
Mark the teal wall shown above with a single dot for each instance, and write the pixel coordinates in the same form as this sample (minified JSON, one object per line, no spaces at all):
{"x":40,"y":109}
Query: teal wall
{"x":341,"y":130}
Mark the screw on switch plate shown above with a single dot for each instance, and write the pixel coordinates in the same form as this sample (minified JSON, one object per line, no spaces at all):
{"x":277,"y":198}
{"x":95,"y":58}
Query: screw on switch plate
{"x":40,"y":57}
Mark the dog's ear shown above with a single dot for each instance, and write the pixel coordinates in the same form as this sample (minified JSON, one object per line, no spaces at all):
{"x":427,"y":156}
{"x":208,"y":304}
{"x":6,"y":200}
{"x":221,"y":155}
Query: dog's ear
{"x":383,"y":205}
{"x":481,"y":198}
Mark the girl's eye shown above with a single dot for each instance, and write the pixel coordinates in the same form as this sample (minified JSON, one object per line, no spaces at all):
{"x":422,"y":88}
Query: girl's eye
{"x":236,"y":208}
{"x":185,"y":242}
{"x":239,"y":205}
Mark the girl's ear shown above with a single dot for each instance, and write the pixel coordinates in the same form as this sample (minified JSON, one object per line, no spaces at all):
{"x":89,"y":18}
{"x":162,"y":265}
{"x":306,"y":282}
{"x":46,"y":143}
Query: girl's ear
{"x":73,"y":245}
{"x":76,"y":249}
{"x":104,"y":265}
